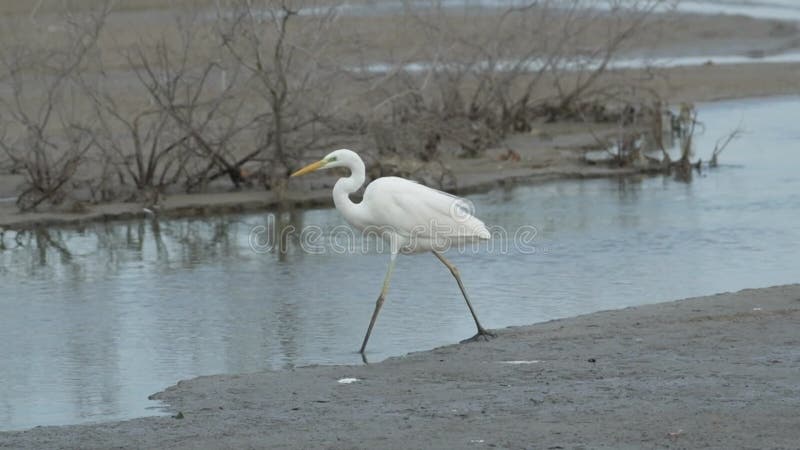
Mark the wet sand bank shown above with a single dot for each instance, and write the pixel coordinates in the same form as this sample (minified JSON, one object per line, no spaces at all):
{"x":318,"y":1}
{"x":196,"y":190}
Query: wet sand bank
{"x":708,"y":372}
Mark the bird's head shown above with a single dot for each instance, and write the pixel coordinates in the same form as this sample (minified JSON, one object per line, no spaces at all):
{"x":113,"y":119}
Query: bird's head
{"x":337,"y":158}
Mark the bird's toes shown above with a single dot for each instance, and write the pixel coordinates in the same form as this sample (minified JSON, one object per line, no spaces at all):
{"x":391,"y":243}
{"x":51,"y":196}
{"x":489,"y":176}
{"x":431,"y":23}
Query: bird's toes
{"x":481,"y":336}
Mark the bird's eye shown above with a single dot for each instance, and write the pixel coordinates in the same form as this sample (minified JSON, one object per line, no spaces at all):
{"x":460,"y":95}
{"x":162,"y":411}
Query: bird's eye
{"x":331,"y":159}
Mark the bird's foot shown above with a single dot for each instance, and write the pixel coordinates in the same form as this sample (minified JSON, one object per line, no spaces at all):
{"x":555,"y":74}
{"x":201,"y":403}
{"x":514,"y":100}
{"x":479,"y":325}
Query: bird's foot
{"x":481,"y":336}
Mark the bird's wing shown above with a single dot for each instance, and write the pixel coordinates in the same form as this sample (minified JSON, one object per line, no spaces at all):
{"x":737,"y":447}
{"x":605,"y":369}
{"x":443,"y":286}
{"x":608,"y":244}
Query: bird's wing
{"x":414,"y":209}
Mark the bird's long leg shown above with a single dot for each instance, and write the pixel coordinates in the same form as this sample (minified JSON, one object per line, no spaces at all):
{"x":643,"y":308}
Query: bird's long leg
{"x":379,"y":303}
{"x":482,"y":333}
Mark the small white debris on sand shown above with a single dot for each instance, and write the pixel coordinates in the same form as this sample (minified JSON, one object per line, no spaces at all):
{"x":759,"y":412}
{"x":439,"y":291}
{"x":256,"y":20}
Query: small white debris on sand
{"x":348,"y":380}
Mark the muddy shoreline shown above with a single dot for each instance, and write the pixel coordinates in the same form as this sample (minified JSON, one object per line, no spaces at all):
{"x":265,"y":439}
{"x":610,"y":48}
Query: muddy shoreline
{"x":707,"y":372}
{"x":194,"y":205}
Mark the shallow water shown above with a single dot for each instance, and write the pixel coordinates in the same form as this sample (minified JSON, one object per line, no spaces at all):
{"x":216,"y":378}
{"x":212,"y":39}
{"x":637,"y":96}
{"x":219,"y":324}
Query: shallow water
{"x":94,"y":320}
{"x":763,"y":9}
{"x":618,"y":63}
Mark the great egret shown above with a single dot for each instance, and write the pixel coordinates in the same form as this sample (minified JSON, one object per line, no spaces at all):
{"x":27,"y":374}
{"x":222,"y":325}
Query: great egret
{"x":411,"y":217}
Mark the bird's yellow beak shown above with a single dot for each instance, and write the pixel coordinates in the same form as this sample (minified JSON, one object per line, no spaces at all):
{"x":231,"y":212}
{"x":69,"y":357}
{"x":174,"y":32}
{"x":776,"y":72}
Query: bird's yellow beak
{"x":310,"y":168}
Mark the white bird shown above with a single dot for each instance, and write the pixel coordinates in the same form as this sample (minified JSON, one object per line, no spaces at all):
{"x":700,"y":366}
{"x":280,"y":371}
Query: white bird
{"x":411,"y":217}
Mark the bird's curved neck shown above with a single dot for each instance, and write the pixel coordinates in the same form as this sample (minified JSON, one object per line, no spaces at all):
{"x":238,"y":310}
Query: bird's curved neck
{"x":346,"y":186}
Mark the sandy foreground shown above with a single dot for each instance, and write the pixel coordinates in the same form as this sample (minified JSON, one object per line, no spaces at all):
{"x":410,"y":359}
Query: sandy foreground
{"x":721,"y":371}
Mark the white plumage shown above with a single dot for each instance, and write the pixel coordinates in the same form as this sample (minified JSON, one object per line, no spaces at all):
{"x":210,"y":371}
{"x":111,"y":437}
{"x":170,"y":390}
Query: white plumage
{"x":422,"y":218}
{"x":412,"y":217}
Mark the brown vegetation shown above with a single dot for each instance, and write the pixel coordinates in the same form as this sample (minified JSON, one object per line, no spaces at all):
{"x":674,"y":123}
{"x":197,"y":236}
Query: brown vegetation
{"x":236,"y":92}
